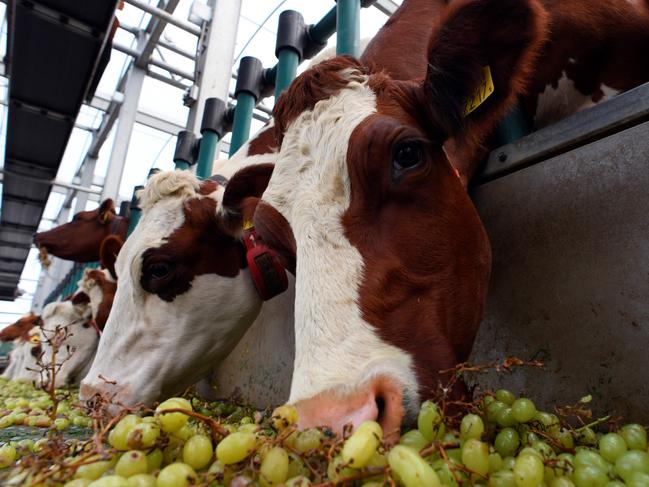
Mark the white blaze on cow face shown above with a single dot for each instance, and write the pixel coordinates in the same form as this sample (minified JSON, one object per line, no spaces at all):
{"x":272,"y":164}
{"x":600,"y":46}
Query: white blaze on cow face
{"x":337,"y":351}
{"x":77,"y":344}
{"x":152,"y":347}
{"x":23,"y":364}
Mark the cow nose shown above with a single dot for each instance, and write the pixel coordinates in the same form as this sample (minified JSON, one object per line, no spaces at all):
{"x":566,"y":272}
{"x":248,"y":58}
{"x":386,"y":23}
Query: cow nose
{"x":380,"y":400}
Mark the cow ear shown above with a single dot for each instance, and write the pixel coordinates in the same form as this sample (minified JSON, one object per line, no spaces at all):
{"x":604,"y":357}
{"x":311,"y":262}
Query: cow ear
{"x":106,"y":210}
{"x":242,"y":194}
{"x":108,"y":252}
{"x":479,"y":61}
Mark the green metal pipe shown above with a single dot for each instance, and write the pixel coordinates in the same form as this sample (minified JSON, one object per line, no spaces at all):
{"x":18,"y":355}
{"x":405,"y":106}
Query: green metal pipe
{"x":133,"y":220}
{"x":324,"y":29}
{"x":348,"y":27}
{"x":286,"y":69}
{"x":242,"y":118}
{"x":207,"y":154}
{"x":182,"y":165}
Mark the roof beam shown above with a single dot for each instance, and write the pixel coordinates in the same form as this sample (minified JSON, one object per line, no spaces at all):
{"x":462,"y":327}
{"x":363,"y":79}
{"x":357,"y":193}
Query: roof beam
{"x":154,"y":31}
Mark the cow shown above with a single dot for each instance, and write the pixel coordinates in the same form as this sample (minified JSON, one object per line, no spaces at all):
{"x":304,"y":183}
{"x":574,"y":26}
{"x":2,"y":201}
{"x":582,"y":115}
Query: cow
{"x":23,"y":362}
{"x":80,"y":240}
{"x":20,"y":327}
{"x":100,"y":286}
{"x":368,"y":201}
{"x":68,"y":338}
{"x":184,"y":299}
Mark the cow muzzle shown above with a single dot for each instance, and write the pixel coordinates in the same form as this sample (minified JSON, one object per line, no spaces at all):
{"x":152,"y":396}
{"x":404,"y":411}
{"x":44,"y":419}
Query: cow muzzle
{"x":380,"y":400}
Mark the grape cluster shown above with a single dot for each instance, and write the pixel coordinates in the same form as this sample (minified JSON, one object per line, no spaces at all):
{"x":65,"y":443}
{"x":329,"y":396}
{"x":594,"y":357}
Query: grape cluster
{"x":498,"y":440}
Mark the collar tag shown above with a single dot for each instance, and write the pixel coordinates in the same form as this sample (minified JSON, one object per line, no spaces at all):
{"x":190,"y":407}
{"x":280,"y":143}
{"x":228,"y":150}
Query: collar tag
{"x":484,"y":91}
{"x":247,"y":225}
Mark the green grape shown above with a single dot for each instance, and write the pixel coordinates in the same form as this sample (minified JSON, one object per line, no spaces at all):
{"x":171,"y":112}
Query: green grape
{"x":635,"y":436}
{"x":611,"y":446}
{"x":505,"y":396}
{"x":336,"y":470}
{"x":507,"y":442}
{"x":564,"y":438}
{"x":638,"y":479}
{"x":6,"y":421}
{"x":430,"y":422}
{"x":508,"y":463}
{"x":544,"y":449}
{"x":61,"y":423}
{"x":310,"y":439}
{"x":494,"y":409}
{"x":296,"y":467}
{"x":585,"y":458}
{"x":377,"y":460}
{"x":562,"y":482}
{"x":586,"y":436}
{"x":475,"y":456}
{"x":184,"y":433}
{"x":153,"y":460}
{"x":444,"y":473}
{"x":92,"y":471}
{"x":198,"y":452}
{"x":632,"y":461}
{"x":176,"y":475}
{"x":589,"y":476}
{"x":77,"y":483}
{"x":299,"y":481}
{"x":248,"y":428}
{"x":291,"y":439}
{"x":504,"y":478}
{"x":455,"y":455}
{"x":414,"y":439}
{"x":235,"y":447}
{"x":119,"y":434}
{"x":109,"y":481}
{"x":143,"y":436}
{"x":141,"y":480}
{"x":284,"y":416}
{"x":131,"y":463}
{"x":528,"y":471}
{"x":615,"y":483}
{"x":471,"y":427}
{"x":546,"y":419}
{"x":506,"y":418}
{"x":172,"y":422}
{"x":495,"y":462}
{"x":361,"y":445}
{"x":7,"y":455}
{"x":411,"y":469}
{"x":523,"y":410}
{"x":274,"y":467}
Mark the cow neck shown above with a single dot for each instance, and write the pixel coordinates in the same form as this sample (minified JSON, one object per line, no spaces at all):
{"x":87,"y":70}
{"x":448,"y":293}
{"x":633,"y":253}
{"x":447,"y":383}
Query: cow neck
{"x":119,"y":226}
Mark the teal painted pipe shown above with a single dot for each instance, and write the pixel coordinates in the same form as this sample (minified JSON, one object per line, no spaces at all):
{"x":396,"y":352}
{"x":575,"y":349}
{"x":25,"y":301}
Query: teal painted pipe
{"x":286,"y":69}
{"x":324,"y":29}
{"x":242,"y":118}
{"x":348,"y":27}
{"x":514,"y":126}
{"x":133,"y":220}
{"x":182,"y":165}
{"x":207,"y":154}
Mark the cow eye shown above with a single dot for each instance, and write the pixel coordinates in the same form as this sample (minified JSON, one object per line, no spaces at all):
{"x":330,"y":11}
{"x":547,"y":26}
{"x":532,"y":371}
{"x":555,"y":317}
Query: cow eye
{"x":159,"y":270}
{"x":407,"y":155}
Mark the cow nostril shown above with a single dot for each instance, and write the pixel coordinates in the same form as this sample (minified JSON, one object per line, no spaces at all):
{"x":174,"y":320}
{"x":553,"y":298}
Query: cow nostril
{"x":380,"y":408}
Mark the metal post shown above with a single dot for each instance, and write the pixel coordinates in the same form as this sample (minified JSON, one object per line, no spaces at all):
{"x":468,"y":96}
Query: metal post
{"x":87,"y":173}
{"x":127,"y":115}
{"x":215,"y":55}
{"x":348,"y":26}
{"x":136,"y":211}
{"x":185,"y":153}
{"x":291,"y":33}
{"x":212,"y":128}
{"x":247,"y":91}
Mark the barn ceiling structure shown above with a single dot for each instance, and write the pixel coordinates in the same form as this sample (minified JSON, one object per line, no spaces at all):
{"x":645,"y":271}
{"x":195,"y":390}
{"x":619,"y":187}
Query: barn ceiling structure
{"x":56,"y":52}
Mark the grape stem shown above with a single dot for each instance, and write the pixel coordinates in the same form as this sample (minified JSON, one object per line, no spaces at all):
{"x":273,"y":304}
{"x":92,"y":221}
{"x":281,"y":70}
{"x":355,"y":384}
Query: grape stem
{"x":217,"y":430}
{"x":363,"y":474}
{"x":597,"y":422}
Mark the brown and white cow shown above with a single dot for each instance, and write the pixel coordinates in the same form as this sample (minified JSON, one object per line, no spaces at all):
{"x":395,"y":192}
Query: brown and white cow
{"x":20,"y":327}
{"x":80,"y":240}
{"x":391,"y":259}
{"x":26,"y":341}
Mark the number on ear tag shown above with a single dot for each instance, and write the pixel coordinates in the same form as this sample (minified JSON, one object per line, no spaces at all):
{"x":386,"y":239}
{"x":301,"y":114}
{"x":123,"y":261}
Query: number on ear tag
{"x":483,"y":92}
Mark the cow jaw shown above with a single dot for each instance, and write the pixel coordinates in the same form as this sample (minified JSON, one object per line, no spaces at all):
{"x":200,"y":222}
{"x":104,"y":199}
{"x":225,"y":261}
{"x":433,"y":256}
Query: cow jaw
{"x":336,"y":349}
{"x":152,"y":348}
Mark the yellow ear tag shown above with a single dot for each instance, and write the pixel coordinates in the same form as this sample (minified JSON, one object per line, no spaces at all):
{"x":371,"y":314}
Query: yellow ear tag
{"x":35,"y":339}
{"x":247,"y":225}
{"x":483,"y":92}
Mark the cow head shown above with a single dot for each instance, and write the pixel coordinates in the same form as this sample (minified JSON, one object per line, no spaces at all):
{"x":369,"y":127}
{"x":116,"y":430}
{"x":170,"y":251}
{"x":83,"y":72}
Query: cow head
{"x":76,"y":345}
{"x":100,"y":287}
{"x":392,"y":261}
{"x":80,"y":239}
{"x":20,"y":328}
{"x":183,"y":300}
